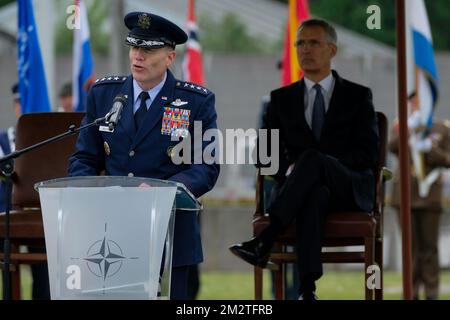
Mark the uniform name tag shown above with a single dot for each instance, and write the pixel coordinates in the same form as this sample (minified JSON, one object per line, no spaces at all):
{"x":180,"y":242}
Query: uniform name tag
{"x":105,"y":129}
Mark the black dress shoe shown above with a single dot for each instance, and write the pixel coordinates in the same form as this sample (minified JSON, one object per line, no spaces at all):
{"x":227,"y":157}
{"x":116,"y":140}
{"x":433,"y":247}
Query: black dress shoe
{"x":308,"y":296}
{"x":254,"y":252}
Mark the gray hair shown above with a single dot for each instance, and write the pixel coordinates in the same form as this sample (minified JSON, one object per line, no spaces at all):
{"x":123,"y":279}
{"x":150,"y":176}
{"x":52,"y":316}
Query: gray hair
{"x":329,"y":29}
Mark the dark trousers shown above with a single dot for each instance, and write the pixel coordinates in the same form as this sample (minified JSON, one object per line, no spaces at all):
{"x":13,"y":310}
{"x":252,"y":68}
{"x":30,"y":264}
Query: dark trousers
{"x":3,"y":271}
{"x":179,"y":283}
{"x":41,"y":285}
{"x":193,"y":285}
{"x":425,"y":236}
{"x":317,"y":184}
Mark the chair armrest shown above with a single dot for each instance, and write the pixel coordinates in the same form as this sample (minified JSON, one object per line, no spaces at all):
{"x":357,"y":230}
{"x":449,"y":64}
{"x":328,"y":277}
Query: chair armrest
{"x":387,"y":173}
{"x":384,"y":174}
{"x":13,"y":176}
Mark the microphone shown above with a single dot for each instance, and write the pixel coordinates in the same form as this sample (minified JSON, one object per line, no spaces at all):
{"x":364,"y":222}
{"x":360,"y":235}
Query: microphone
{"x":113,"y":116}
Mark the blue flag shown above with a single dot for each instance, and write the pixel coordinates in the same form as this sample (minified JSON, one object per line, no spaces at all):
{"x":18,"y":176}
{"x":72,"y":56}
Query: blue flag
{"x":423,"y":73}
{"x":426,"y":75}
{"x":32,"y":84}
{"x":83,"y":75}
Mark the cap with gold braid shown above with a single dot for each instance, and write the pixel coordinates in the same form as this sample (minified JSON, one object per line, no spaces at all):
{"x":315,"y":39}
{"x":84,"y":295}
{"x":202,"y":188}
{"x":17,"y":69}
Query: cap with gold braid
{"x":148,"y":30}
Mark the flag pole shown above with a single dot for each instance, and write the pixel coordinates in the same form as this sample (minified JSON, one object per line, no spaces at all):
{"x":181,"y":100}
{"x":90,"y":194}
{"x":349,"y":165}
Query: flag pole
{"x":298,"y":11}
{"x":405,"y":187}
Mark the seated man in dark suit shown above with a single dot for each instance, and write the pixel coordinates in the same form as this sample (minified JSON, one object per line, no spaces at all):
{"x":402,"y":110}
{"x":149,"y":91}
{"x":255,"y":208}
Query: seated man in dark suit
{"x":328,"y":149}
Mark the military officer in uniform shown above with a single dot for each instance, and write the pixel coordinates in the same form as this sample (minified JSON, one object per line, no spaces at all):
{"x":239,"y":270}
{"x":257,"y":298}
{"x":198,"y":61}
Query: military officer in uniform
{"x":158,"y":106}
{"x":40,"y":289}
{"x":6,"y":147}
{"x":7,"y":137}
{"x":425,"y":211}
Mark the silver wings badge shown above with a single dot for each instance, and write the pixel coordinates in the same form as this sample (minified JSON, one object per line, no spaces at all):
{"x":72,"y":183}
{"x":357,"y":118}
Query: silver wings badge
{"x":178,"y":103}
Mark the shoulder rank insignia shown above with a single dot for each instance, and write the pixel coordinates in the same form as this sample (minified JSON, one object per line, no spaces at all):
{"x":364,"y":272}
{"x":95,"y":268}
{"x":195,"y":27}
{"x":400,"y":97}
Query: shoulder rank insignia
{"x":110,"y":79}
{"x":178,"y":103}
{"x":192,"y":87}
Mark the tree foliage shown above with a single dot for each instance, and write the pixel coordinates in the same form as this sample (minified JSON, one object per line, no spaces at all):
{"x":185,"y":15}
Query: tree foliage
{"x":227,"y":35}
{"x":97,"y":13}
{"x":5,"y":2}
{"x":352,"y":14}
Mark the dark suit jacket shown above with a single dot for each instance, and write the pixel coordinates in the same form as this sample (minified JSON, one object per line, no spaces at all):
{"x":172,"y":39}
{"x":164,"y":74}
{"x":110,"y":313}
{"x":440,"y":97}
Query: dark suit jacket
{"x":349,"y":133}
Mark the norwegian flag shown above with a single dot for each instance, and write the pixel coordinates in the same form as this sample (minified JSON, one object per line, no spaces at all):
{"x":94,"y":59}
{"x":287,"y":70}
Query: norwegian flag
{"x":193,"y":60}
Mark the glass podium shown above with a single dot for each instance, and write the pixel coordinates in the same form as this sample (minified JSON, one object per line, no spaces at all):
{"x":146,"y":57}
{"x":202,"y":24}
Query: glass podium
{"x":111,"y":237}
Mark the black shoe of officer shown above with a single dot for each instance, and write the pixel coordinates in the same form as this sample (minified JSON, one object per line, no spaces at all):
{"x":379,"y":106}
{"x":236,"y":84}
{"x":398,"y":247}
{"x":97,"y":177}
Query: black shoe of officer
{"x":255,"y":252}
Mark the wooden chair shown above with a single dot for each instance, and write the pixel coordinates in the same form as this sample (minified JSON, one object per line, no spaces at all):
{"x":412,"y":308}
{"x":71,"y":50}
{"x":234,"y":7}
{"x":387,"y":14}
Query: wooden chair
{"x":48,"y":162}
{"x":342,"y":229}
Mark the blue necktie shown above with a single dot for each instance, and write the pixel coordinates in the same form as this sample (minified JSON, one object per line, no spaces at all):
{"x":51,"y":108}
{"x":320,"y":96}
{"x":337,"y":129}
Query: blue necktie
{"x":318,"y":112}
{"x":140,"y":113}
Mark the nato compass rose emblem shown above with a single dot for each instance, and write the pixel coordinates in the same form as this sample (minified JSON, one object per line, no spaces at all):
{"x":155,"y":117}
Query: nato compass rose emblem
{"x":105,"y":257}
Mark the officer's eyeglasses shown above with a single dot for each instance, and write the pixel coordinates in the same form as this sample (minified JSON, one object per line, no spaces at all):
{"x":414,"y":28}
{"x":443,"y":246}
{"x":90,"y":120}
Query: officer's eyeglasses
{"x":313,"y":43}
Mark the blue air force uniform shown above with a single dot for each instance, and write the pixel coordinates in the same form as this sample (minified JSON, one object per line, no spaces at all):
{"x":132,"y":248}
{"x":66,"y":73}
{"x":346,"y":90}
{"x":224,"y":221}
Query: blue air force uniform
{"x":146,"y":151}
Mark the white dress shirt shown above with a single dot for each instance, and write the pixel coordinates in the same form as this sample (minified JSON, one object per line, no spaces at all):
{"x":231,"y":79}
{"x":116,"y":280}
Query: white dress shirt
{"x":327,"y":86}
{"x":153,"y":92}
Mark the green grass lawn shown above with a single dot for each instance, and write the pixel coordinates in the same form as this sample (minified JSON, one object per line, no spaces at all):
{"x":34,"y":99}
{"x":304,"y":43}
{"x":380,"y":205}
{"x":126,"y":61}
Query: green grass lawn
{"x":335,"y":285}
{"x":342,"y":285}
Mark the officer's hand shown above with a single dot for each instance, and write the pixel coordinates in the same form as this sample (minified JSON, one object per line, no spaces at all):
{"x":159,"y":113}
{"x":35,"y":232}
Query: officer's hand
{"x":436,"y":157}
{"x":144,"y":185}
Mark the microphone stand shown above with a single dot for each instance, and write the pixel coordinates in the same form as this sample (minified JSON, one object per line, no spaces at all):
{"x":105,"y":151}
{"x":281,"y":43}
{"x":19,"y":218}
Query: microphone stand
{"x":7,"y":168}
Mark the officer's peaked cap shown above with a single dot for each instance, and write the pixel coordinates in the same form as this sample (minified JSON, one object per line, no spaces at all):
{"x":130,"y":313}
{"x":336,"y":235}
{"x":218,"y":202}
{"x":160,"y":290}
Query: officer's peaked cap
{"x":148,"y":30}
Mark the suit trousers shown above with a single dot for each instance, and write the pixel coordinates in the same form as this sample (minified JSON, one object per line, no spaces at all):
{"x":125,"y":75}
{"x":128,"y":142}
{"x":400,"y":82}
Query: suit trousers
{"x":319,"y":183}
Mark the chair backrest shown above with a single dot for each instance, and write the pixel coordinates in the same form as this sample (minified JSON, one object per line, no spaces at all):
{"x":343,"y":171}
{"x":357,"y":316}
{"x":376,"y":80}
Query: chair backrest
{"x":382,"y":123}
{"x":383,"y":133}
{"x":379,"y":172}
{"x":48,"y":162}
